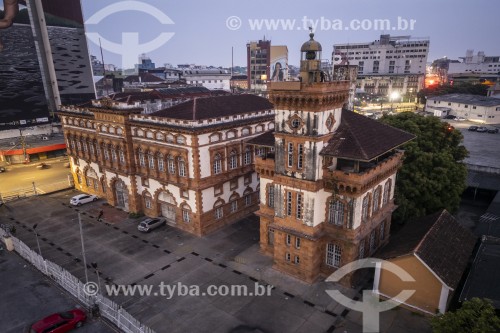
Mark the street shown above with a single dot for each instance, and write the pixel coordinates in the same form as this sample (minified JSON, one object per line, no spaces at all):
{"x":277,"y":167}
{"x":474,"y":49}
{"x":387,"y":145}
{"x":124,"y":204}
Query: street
{"x":20,"y":177}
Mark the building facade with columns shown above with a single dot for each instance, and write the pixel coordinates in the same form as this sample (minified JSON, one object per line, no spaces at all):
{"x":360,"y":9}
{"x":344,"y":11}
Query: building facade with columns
{"x":326,"y":176}
{"x":189,"y":163}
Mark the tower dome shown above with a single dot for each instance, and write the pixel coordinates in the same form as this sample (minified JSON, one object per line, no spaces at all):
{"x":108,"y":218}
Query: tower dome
{"x":311,"y":45}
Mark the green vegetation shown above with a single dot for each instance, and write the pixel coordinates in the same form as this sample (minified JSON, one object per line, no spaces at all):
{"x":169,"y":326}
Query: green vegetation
{"x":475,"y":316}
{"x":432,"y":176}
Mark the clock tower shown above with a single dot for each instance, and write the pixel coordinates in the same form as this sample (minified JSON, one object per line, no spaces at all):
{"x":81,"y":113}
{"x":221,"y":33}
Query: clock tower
{"x":307,"y":113}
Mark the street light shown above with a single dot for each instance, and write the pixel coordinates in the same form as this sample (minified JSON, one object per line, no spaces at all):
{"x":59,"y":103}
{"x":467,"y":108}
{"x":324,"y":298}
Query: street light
{"x":94,"y":265}
{"x":37,"y":242}
{"x":83,"y":249}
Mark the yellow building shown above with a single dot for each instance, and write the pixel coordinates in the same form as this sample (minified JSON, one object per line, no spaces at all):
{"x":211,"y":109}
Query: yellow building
{"x":434,"y":251}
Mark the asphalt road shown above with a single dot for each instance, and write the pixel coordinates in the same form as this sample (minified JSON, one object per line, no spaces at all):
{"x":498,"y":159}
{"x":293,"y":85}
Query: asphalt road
{"x":20,"y":177}
{"x":28,"y":296}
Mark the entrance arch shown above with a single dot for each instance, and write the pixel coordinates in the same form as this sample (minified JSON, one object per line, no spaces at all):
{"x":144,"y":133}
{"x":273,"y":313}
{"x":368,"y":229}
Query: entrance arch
{"x":121,"y":194}
{"x":168,"y":206}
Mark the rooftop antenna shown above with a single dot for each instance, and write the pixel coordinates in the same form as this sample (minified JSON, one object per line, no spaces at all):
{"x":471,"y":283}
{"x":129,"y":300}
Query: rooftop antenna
{"x":103,"y":68}
{"x":232,"y":66}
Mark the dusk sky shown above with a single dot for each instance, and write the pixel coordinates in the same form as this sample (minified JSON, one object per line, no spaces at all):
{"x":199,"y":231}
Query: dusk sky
{"x":201,"y":35}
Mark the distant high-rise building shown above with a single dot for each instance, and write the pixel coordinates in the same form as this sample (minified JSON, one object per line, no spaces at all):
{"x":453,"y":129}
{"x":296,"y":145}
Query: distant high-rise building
{"x":391,"y":66}
{"x":258,"y":64}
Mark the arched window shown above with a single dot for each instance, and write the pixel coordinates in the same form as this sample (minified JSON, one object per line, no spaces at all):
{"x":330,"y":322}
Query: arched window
{"x":218,"y":210}
{"x":106,"y":151}
{"x":119,"y":131}
{"x":121,"y":156}
{"x":150,"y":135}
{"x":142,"y":160}
{"x":161,"y":163}
{"x":233,"y":159}
{"x":376,"y":199}
{"x":247,"y":159}
{"x":182,"y":167}
{"x":171,"y":164}
{"x":217,"y":164}
{"x":245,"y":131}
{"x":234,"y":202}
{"x":259,"y":128}
{"x":336,"y":212}
{"x":140,"y":133}
{"x":387,"y":192}
{"x":248,"y":197}
{"x":364,"y":210}
{"x":114,"y":157}
{"x":170,"y":138}
{"x":148,"y":201}
{"x":181,"y":140}
{"x":215,"y":137}
{"x":151,"y":161}
{"x":186,"y":213}
{"x":112,"y":130}
{"x":160,"y":136}
{"x":230,"y":135}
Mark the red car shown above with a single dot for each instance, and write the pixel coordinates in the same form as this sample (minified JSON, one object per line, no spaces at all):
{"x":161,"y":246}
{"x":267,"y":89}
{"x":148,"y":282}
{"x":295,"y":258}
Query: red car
{"x":60,"y":322}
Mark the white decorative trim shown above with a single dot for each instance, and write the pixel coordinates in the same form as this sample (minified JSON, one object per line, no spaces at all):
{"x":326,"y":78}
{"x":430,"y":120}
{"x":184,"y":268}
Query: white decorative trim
{"x":376,"y":279}
{"x":443,"y":298}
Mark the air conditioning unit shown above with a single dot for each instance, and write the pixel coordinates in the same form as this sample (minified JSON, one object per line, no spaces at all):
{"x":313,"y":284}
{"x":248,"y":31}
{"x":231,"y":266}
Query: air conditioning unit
{"x":45,"y":138}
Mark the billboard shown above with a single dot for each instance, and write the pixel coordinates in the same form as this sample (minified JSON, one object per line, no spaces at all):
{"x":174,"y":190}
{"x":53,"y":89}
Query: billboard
{"x":279,"y":63}
{"x":28,"y":61}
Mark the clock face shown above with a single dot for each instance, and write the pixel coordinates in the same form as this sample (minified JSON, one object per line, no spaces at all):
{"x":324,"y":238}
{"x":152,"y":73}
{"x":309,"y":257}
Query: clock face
{"x":330,"y":121}
{"x":295,"y":123}
{"x":310,"y":55}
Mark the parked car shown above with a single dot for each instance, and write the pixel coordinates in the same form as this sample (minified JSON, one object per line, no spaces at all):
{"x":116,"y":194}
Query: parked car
{"x":42,"y":166}
{"x":81,"y":199}
{"x":150,"y":224}
{"x":482,"y":129}
{"x":450,"y":117}
{"x":2,"y":169}
{"x":493,"y":130}
{"x":60,"y":322}
{"x":460,"y":119}
{"x":473,"y":128}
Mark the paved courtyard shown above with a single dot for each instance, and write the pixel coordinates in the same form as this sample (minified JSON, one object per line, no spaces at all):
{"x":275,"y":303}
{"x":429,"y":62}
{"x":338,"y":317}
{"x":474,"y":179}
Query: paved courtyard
{"x":228,"y":257}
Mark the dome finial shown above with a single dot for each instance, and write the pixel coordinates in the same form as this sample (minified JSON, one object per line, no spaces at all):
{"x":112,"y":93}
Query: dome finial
{"x":311,"y":33}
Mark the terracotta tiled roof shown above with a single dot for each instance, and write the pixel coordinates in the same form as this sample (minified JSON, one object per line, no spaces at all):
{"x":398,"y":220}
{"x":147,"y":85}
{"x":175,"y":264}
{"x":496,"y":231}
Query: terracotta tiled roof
{"x":145,"y":77}
{"x":361,"y":138}
{"x":266,"y":139}
{"x":214,"y":107}
{"x":439,"y":241}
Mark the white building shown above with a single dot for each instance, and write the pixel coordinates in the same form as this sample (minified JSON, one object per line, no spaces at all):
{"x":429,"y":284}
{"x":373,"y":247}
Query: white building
{"x":475,"y":64}
{"x":390,"y":64}
{"x":476,"y":108}
{"x":213,"y":79}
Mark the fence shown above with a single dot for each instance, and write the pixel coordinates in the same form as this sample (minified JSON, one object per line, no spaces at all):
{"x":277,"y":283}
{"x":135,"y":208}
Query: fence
{"x":108,"y":309}
{"x":35,"y":190}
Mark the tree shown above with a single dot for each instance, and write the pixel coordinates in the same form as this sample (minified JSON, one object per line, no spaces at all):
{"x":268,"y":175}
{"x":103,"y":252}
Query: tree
{"x":475,"y":316}
{"x":432,"y":176}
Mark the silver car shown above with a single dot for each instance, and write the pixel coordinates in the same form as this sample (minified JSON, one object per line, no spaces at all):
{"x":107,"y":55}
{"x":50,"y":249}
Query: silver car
{"x":80,"y":199}
{"x":151,"y":223}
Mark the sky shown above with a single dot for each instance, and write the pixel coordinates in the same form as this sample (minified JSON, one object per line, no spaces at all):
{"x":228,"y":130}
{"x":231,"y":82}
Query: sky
{"x":204,"y":32}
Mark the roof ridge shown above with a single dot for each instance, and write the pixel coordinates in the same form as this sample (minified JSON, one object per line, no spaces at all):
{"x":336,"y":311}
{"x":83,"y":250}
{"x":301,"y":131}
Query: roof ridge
{"x":424,"y":237}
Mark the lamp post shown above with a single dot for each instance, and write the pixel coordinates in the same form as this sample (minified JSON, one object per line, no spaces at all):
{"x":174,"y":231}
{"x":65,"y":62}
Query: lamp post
{"x":83,"y":249}
{"x":36,"y":236}
{"x":94,"y":265}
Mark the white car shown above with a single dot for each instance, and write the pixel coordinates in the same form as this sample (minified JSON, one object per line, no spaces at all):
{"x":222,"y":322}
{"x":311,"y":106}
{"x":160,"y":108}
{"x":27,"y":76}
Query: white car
{"x":460,"y":119}
{"x":82,"y":199}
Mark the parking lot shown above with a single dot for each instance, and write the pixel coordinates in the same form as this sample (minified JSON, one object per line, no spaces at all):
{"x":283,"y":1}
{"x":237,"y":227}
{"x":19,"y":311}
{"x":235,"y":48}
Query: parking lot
{"x":229,"y":257}
{"x":28,"y":296}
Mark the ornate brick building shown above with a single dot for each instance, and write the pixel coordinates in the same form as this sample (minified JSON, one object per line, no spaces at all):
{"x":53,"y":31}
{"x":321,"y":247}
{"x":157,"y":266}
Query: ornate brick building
{"x":189,"y":163}
{"x":326,"y":175}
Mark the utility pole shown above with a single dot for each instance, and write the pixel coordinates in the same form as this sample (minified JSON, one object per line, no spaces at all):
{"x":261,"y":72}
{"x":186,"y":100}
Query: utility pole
{"x":83,"y":249}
